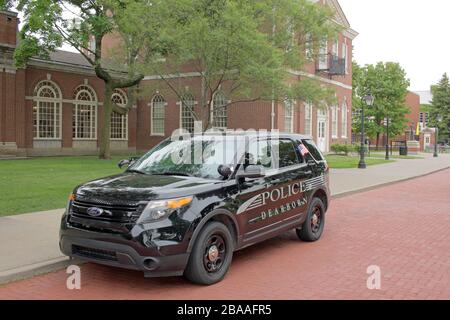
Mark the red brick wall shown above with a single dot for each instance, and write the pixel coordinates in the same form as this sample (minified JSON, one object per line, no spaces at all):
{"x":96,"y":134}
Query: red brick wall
{"x":2,"y":104}
{"x":255,"y":115}
{"x":8,"y":28}
{"x":413,"y":102}
{"x":7,"y":106}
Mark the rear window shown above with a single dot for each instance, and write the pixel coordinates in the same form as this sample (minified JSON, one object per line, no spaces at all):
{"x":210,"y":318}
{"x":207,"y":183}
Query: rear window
{"x":313,"y":150}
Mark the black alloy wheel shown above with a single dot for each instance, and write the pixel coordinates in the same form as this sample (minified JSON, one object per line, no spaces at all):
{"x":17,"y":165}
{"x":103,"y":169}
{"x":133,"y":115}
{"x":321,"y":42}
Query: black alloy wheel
{"x":312,"y":228}
{"x":214,"y":253}
{"x":211,"y":255}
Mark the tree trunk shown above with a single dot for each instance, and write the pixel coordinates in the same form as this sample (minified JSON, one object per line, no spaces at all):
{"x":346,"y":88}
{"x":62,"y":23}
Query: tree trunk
{"x":105,"y":136}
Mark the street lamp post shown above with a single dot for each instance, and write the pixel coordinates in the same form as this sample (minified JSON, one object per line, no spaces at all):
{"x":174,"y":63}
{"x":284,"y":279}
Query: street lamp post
{"x":387,"y":138}
{"x":367,"y":100}
{"x":436,"y":137}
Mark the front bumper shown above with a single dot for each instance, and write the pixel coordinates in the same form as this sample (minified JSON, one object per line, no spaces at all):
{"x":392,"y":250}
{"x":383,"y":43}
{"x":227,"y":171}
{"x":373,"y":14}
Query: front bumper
{"x":123,"y":251}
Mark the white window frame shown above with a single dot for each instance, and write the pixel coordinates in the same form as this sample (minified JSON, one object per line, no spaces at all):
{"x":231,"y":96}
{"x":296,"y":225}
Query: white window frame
{"x":56,"y":101}
{"x":344,"y":118}
{"x":92,"y":103}
{"x":184,"y":117}
{"x":335,"y":50}
{"x":345,"y":55}
{"x":152,"y":115}
{"x":308,"y":118}
{"x":334,"y":122}
{"x":224,"y":110}
{"x":290,"y":29}
{"x":323,"y":55}
{"x":308,"y":46}
{"x":289,"y":116}
{"x":120,"y":93}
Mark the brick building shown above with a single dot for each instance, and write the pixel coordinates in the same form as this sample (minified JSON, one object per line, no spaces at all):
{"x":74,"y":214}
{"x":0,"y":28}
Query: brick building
{"x":53,"y":107}
{"x":412,"y":101}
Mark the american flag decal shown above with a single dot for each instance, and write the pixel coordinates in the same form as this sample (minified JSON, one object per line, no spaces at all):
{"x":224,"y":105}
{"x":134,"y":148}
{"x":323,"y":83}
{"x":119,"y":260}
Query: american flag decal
{"x":303,"y":150}
{"x":253,"y":203}
{"x":313,"y":183}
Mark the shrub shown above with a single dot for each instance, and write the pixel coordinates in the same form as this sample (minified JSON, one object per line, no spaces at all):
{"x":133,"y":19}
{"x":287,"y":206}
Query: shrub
{"x":342,"y":148}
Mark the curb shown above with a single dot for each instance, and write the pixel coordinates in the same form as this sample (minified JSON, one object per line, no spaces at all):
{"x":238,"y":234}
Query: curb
{"x":356,"y":191}
{"x":36,"y":269}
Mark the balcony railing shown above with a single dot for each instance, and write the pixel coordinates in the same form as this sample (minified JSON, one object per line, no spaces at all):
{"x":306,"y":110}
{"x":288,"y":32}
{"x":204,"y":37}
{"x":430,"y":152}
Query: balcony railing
{"x":331,"y":64}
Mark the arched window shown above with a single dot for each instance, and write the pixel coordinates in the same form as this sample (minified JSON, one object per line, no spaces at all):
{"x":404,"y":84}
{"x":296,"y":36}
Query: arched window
{"x":308,"y":118}
{"x":85,"y":113}
{"x":47,"y":103}
{"x":334,"y":121}
{"x":187,"y":108}
{"x":289,"y":116}
{"x":119,"y":122}
{"x":344,"y":119}
{"x":158,"y":114}
{"x":219,"y":117}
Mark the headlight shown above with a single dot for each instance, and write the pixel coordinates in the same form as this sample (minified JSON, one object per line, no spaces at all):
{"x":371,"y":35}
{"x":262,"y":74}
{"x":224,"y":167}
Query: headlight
{"x":157,"y":210}
{"x":70,"y":202}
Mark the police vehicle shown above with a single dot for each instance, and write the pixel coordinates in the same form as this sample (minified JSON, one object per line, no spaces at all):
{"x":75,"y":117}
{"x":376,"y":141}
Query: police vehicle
{"x":188,"y":204}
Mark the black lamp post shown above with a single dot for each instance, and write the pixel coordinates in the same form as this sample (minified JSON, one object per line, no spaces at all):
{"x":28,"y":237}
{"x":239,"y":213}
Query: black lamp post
{"x":367,"y":100}
{"x":387,"y":138}
{"x":436,"y":137}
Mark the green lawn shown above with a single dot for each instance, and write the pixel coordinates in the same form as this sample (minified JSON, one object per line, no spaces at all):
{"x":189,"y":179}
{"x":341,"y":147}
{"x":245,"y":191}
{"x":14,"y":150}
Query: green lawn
{"x":45,"y":183}
{"x":348,"y":162}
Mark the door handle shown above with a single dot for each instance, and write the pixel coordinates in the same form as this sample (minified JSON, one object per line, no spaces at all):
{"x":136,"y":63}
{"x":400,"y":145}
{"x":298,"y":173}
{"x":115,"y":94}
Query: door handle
{"x":308,"y":173}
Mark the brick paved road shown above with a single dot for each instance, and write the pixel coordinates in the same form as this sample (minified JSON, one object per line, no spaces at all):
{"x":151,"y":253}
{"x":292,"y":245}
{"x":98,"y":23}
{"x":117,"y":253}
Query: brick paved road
{"x":404,"y":229}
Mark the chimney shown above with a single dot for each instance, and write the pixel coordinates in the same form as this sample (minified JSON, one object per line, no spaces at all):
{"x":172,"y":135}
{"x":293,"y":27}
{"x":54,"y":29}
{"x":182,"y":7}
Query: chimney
{"x":9,"y":27}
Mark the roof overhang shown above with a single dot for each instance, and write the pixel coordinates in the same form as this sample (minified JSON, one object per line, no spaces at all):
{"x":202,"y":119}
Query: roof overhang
{"x":340,"y":18}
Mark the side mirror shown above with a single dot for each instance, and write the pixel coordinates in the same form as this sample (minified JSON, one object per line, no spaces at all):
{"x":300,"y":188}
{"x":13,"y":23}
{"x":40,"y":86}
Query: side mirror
{"x":124,"y":163}
{"x":251,"y":172}
{"x":224,"y":171}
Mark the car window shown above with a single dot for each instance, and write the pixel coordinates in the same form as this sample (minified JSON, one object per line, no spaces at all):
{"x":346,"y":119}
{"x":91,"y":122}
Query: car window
{"x":259,"y":153}
{"x":312,"y":148}
{"x":287,"y":154}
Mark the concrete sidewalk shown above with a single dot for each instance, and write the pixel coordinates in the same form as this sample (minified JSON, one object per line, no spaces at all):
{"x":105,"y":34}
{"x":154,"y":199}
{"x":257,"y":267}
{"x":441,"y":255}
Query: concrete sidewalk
{"x":29,"y":242}
{"x":347,"y":181}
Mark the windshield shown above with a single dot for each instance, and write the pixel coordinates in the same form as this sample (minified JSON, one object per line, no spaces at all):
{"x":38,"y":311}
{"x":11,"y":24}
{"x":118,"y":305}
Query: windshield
{"x":198,"y":157}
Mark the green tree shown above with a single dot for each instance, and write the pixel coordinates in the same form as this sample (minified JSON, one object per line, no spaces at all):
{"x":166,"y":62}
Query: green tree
{"x":245,"y":49}
{"x":6,"y":4}
{"x":388,"y":83}
{"x":48,"y":24}
{"x":440,"y":108}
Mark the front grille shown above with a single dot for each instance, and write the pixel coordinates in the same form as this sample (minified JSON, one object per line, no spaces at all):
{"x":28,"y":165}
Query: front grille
{"x":94,"y":253}
{"x":119,"y":213}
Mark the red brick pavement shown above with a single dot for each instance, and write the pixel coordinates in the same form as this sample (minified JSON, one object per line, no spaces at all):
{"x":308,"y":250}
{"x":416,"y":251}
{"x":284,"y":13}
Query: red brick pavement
{"x":403,"y":228}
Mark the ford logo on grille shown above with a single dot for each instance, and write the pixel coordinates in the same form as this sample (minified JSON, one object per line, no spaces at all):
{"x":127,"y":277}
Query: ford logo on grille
{"x":95,"y":212}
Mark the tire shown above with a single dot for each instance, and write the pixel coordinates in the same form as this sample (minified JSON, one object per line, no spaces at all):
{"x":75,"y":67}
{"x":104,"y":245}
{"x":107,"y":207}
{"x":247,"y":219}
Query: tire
{"x":211,"y":255}
{"x":312,"y":229}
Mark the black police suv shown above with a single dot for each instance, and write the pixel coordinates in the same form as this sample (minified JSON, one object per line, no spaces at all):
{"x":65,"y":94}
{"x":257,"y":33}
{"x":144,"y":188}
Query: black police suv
{"x":188,"y":204}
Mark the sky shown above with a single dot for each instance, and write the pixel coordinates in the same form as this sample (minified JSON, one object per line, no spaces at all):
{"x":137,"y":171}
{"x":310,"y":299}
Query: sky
{"x":414,"y":33}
